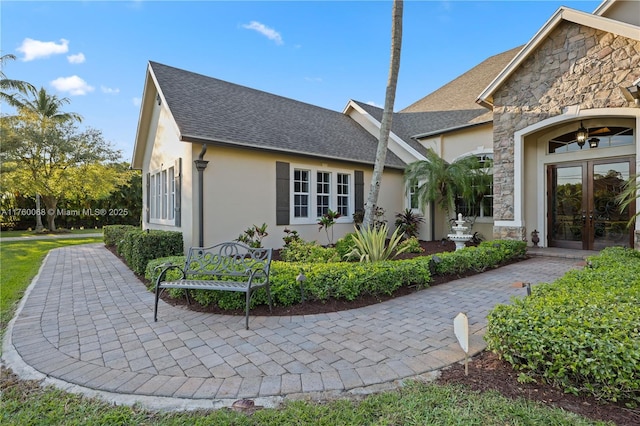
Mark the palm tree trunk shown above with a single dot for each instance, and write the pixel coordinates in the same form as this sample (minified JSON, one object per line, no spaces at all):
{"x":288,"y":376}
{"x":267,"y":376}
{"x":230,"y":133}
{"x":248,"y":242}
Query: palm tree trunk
{"x":387,"y":114}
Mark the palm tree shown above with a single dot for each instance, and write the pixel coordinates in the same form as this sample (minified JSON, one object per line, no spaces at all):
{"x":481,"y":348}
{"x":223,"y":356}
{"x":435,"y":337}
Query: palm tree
{"x":7,"y":84}
{"x":387,"y":114}
{"x":441,"y":182}
{"x":47,"y":109}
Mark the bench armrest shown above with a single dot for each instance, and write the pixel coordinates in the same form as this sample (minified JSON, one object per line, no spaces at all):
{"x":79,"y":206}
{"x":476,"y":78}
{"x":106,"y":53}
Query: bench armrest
{"x":165,"y":268}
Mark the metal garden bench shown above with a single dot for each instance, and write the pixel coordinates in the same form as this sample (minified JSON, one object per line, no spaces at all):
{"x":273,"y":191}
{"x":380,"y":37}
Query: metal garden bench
{"x":225,"y":267}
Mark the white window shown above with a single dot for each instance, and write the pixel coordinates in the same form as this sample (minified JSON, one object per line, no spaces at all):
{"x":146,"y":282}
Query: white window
{"x":483,"y":207}
{"x":162,"y":200}
{"x":343,"y":193}
{"x":301,"y":188}
{"x":316,"y":191}
{"x":323,"y":193}
{"x":412,"y":196}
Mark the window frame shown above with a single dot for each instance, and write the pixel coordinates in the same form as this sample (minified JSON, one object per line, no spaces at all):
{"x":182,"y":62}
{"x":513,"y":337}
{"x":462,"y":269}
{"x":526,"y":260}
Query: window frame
{"x":312,"y":217}
{"x":162,"y":200}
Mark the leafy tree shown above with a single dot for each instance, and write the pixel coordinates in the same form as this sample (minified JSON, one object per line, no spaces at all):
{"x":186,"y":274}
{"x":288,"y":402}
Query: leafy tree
{"x":387,"y":114}
{"x":40,"y":155}
{"x":47,"y":110}
{"x":441,"y":182}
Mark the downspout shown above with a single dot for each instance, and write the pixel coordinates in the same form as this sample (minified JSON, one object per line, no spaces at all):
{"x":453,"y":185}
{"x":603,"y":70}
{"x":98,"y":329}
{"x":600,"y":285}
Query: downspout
{"x":201,"y":164}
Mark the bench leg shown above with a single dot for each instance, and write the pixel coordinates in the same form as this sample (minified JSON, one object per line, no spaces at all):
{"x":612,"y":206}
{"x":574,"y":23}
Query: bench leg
{"x":155,"y":308}
{"x":246,"y":316}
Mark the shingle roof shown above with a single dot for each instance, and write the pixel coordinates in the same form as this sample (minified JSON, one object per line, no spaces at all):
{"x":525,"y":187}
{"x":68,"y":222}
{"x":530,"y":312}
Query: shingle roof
{"x":461,"y":93}
{"x":208,"y":109}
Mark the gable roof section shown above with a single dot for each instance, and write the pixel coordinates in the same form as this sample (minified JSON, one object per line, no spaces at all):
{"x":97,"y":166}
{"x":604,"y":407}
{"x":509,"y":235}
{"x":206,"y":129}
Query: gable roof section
{"x":563,"y":13}
{"x":208,"y":110}
{"x":407,"y":125}
{"x":460,"y":94}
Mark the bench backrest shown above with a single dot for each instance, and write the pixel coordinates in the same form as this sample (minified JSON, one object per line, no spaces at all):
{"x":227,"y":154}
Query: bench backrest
{"x":229,"y":259}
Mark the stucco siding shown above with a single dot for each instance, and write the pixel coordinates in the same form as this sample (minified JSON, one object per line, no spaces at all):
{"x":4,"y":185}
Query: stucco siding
{"x":240,"y":191}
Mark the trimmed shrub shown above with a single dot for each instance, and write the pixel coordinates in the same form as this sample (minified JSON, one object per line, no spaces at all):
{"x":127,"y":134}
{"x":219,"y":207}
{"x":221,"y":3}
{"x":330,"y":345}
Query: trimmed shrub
{"x":139,"y":247}
{"x":338,"y":280}
{"x":309,"y":252}
{"x":114,"y":234}
{"x":489,"y":254}
{"x":581,"y":332}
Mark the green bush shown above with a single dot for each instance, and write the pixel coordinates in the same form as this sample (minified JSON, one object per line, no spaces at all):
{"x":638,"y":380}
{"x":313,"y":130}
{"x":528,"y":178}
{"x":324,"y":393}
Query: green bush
{"x":581,"y":332}
{"x":139,"y":247}
{"x":309,"y":252}
{"x":114,"y":234}
{"x":489,"y":254}
{"x":412,"y":244}
{"x":324,"y":281}
{"x":345,"y":245}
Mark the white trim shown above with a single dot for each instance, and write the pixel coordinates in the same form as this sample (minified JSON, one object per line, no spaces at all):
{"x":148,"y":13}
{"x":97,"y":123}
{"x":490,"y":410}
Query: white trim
{"x":392,"y":136}
{"x":571,"y":114}
{"x":563,"y":13}
{"x":312,"y":219}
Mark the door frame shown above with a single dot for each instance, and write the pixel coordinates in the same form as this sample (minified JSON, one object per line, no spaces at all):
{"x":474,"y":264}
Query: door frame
{"x":588,"y":241}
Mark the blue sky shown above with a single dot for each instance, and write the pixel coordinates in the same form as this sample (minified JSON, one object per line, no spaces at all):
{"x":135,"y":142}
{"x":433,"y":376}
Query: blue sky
{"x":96,"y":52}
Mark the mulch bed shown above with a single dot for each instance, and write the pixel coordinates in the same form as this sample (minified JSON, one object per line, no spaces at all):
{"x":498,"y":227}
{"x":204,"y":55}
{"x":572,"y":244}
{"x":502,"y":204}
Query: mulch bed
{"x":486,"y":370}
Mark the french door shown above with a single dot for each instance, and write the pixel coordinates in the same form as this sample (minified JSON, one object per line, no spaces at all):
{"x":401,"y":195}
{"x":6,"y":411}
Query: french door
{"x":583,"y":210}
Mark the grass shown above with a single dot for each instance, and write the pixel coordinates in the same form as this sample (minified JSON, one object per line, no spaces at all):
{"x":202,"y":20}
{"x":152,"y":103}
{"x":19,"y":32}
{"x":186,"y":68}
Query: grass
{"x":10,"y":234}
{"x":19,"y":263}
{"x":26,"y":403}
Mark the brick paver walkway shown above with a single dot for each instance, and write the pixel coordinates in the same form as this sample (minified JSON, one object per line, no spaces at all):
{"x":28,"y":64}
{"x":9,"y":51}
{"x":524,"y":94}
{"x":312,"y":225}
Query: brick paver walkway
{"x":86,"y":324}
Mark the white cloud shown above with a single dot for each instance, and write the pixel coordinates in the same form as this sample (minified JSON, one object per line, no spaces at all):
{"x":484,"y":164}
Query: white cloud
{"x":372,"y":103}
{"x":137,"y":101}
{"x":109,"y":90}
{"x":76,"y":59}
{"x":74,"y":85}
{"x":270,"y":33}
{"x":35,"y":49}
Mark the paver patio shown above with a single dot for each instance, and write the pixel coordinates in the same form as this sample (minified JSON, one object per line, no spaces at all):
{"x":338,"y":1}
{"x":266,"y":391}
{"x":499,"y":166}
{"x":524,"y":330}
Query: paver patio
{"x":86,"y":325}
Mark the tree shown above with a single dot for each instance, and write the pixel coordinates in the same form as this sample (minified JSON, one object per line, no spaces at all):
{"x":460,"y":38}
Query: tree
{"x":47,"y":109}
{"x":387,"y":114}
{"x":441,"y":182}
{"x":7,"y":84}
{"x":56,"y":159}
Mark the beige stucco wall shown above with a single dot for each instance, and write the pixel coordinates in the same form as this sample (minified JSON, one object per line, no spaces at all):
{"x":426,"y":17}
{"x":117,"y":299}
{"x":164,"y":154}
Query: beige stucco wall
{"x":625,"y":11}
{"x":240,"y":187}
{"x":451,"y":146}
{"x":574,"y":70}
{"x":162,"y":150}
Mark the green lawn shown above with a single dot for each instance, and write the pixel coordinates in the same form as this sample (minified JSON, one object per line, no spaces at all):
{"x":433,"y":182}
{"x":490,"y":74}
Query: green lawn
{"x":26,"y":403}
{"x":8,"y":234}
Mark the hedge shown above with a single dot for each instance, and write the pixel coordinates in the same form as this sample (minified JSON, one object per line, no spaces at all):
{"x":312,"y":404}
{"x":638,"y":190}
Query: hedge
{"x":581,"y":332}
{"x":139,"y":247}
{"x":114,"y":234}
{"x":347,"y":280}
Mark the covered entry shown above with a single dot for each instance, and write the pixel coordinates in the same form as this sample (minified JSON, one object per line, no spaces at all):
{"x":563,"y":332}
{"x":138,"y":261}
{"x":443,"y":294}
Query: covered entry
{"x":583,"y":211}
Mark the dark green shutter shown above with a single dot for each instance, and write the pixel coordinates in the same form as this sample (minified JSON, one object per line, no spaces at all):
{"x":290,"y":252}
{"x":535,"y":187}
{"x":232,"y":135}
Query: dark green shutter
{"x":177,"y":182}
{"x":358,"y":178}
{"x":282,"y":193}
{"x":148,"y":204}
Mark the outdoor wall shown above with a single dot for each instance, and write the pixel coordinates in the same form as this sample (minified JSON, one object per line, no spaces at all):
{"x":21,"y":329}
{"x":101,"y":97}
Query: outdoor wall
{"x":162,"y":150}
{"x":240,"y":191}
{"x":575,"y":66}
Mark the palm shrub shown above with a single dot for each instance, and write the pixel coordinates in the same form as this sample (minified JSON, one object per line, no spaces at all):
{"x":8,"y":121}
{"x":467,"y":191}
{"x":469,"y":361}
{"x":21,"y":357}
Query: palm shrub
{"x":408,"y":222}
{"x":371,"y":244}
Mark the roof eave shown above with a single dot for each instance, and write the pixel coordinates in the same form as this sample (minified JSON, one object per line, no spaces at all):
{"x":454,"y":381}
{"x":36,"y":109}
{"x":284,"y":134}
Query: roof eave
{"x":449,"y":130}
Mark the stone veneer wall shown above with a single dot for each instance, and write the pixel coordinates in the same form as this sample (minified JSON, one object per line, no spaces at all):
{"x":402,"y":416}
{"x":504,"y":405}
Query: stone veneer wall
{"x":575,"y":65}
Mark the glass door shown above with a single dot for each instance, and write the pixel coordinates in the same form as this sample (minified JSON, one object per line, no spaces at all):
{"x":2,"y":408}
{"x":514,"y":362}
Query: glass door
{"x":583,"y":212}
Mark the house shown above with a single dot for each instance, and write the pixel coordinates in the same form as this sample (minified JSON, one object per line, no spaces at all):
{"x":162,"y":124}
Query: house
{"x":559,"y":116}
